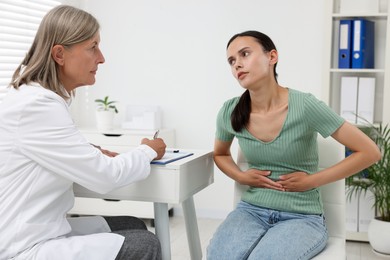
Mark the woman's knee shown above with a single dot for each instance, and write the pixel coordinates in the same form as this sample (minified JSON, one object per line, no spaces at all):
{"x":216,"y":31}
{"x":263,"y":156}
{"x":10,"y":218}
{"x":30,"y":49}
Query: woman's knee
{"x":124,"y":223}
{"x":227,"y":244}
{"x":139,"y":244}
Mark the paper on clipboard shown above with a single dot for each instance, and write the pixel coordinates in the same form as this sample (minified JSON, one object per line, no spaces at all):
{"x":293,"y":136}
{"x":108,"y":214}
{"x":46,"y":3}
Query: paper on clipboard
{"x":171,"y":156}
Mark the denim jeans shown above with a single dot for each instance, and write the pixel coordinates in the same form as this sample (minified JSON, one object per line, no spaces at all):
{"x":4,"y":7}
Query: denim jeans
{"x":251,"y":232}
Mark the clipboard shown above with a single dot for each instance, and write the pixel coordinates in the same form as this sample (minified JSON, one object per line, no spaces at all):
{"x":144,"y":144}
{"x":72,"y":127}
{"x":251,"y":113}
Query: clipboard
{"x":171,"y":156}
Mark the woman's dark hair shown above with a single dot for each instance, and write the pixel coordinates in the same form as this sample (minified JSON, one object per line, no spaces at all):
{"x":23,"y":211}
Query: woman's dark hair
{"x":240,"y":115}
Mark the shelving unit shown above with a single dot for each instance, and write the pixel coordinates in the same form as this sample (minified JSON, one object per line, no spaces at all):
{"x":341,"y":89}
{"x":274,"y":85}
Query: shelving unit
{"x":381,"y":71}
{"x":332,"y":74}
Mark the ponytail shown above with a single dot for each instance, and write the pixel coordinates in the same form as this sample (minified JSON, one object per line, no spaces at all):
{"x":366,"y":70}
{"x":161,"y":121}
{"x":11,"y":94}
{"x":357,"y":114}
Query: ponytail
{"x":241,"y":113}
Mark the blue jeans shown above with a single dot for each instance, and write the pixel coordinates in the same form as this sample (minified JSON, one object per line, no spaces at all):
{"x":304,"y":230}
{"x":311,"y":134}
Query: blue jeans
{"x":251,"y":232}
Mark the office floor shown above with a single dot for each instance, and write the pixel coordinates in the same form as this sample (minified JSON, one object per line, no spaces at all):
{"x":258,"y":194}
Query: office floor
{"x":180,"y":251}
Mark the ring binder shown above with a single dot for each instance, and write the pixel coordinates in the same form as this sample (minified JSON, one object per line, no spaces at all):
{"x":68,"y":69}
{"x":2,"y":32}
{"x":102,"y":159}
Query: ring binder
{"x":345,"y":43}
{"x":363,"y":44}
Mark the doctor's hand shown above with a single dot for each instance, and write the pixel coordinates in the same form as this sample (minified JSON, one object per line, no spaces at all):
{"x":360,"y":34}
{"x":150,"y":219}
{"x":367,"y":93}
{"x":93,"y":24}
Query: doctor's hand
{"x":156,"y":144}
{"x":296,"y":181}
{"x":106,"y":152}
{"x":260,"y":179}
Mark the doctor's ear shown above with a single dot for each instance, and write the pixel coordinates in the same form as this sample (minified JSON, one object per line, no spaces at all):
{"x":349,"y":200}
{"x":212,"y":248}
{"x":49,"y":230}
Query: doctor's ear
{"x":57,"y":52}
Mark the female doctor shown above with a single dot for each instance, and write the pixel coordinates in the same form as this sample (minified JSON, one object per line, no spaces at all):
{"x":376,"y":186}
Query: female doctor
{"x":42,"y":153}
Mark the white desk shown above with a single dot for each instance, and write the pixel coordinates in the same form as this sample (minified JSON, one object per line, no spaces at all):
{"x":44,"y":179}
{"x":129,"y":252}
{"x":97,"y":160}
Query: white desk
{"x":174,"y":183}
{"x":119,"y":140}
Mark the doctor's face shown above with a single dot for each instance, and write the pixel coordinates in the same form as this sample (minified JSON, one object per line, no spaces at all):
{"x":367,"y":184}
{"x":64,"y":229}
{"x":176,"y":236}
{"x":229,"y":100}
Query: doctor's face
{"x":79,"y":63}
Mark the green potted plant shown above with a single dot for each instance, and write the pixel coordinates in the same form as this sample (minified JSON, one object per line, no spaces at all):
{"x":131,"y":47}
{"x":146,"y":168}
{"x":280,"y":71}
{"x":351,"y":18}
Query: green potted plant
{"x":376,"y":179}
{"x":105,"y":113}
{"x":106,"y":105}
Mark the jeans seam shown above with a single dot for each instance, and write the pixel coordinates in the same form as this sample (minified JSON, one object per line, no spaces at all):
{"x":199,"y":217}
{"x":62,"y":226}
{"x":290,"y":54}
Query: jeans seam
{"x":248,"y":253}
{"x":311,"y":249}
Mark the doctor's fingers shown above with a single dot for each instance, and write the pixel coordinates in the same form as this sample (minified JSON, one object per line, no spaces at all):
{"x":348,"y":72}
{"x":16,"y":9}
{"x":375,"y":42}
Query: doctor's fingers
{"x":156,"y":144}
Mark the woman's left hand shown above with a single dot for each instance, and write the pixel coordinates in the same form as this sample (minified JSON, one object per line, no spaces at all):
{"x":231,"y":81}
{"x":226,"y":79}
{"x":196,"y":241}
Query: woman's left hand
{"x":105,"y":152}
{"x":296,"y":181}
{"x":108,"y":153}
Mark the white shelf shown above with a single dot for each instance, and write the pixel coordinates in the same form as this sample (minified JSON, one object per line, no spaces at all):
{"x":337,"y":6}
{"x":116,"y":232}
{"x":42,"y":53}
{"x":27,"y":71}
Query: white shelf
{"x":357,"y":236}
{"x":332,"y":74}
{"x":367,"y":15}
{"x":357,"y":70}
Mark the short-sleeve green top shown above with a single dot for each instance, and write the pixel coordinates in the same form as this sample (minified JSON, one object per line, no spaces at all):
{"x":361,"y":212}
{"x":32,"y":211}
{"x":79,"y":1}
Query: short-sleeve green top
{"x":294,"y":149}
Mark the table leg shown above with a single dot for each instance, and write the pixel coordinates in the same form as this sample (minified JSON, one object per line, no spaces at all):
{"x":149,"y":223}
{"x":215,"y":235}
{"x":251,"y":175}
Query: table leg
{"x":192,"y":229}
{"x":161,"y":222}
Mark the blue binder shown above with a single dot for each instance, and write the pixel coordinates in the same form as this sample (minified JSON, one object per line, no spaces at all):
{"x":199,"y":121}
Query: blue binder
{"x":345,"y":44}
{"x":363,"y":44}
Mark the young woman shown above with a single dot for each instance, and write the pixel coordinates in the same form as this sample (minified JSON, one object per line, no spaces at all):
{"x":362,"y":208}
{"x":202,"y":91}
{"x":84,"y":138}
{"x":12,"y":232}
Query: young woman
{"x":43,"y":154}
{"x":280,"y":216}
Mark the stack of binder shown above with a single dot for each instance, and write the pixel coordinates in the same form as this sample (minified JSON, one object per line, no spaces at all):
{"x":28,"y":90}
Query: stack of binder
{"x":357,"y":99}
{"x":359,"y":211}
{"x":356,"y":43}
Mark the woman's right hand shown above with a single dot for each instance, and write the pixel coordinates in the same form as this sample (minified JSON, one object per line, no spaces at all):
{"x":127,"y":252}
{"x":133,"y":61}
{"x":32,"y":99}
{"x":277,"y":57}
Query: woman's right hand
{"x":156,"y":144}
{"x":260,"y":179}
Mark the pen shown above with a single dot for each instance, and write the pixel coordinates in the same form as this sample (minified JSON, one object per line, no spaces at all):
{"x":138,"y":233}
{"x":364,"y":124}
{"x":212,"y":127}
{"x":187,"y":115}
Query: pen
{"x":156,"y":134}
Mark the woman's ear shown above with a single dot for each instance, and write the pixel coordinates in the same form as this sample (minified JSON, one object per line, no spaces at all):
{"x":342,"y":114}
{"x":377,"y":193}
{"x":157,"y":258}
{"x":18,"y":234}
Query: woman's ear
{"x":57,"y":52}
{"x":273,"y":57}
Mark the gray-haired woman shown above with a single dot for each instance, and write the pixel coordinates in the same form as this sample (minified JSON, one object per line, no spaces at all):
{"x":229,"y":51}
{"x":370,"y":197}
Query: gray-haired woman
{"x":43,"y":154}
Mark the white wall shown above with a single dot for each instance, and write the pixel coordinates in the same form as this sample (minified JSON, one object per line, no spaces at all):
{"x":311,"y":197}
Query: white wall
{"x":172,"y":53}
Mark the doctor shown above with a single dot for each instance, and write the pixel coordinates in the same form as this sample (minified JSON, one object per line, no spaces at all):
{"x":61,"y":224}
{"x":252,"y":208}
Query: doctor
{"x":42,"y":154}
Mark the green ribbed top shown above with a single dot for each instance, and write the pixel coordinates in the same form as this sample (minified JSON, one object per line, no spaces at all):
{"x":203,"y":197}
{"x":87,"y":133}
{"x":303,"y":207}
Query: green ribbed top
{"x":294,"y":149}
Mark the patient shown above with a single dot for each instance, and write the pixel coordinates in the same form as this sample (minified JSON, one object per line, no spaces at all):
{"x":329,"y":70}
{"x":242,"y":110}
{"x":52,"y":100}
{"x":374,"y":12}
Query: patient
{"x":280,"y":216}
{"x":42,"y":154}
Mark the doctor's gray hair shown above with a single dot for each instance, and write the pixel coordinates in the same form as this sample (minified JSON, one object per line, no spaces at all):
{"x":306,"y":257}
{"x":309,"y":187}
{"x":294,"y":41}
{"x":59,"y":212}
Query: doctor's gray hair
{"x":63,"y":25}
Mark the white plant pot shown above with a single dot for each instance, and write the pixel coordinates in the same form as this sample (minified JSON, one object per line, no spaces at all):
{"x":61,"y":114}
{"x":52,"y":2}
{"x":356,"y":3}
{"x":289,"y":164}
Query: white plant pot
{"x":379,"y":237}
{"x":105,"y":119}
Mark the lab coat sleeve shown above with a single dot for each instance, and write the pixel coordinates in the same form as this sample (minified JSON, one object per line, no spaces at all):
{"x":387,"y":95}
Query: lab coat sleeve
{"x":48,"y":136}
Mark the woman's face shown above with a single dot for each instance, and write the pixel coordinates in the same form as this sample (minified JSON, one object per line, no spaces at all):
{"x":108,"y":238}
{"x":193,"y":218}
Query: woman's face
{"x":79,"y":63}
{"x":249,"y":63}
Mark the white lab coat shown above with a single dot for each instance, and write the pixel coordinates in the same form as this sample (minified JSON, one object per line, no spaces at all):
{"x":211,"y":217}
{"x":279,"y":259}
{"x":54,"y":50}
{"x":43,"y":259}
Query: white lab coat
{"x":41,"y":155}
